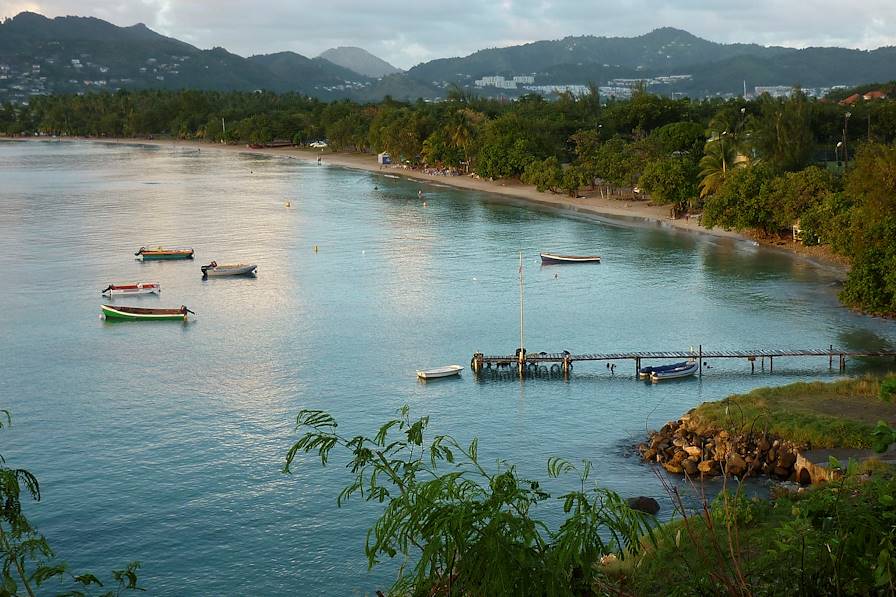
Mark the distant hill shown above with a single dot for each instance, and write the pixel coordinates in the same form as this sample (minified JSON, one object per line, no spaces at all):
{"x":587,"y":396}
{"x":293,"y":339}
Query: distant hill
{"x":76,"y":54}
{"x":713,"y":68}
{"x":360,"y":61}
{"x":82,"y":54}
{"x":665,"y":49}
{"x":294,"y":70}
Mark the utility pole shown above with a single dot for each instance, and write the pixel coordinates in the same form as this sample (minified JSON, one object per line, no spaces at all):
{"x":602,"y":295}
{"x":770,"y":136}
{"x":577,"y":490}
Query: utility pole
{"x":223,"y":130}
{"x":845,"y":130}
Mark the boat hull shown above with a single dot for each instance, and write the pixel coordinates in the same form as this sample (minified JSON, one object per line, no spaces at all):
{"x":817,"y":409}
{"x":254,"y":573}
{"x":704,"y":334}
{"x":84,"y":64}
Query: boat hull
{"x":646,"y":372}
{"x":164,"y":256}
{"x":110,"y":312}
{"x":550,"y":258}
{"x":221,"y":271}
{"x":162,"y":253}
{"x":677,"y":373}
{"x":131,"y":289}
{"x":440,"y":372}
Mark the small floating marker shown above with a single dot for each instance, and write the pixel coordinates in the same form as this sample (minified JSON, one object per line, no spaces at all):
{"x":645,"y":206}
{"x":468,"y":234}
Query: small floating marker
{"x":315,"y":248}
{"x":363,"y":252}
{"x":424,"y":204}
{"x":288,"y":204}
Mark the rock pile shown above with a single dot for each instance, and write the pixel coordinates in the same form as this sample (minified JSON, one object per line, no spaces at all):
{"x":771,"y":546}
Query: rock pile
{"x":686,"y":447}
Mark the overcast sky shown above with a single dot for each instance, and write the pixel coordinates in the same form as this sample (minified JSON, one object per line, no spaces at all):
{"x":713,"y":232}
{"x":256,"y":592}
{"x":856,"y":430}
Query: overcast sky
{"x":406,"y":33}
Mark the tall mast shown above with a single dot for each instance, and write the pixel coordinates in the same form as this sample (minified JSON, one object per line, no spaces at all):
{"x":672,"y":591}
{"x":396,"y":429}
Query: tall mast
{"x":521,"y":307}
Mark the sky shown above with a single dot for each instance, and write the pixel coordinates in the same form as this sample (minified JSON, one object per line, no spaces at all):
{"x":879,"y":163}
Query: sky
{"x":407,"y":33}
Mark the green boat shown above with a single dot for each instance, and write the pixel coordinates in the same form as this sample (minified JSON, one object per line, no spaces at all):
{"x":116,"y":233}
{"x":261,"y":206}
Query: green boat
{"x":164,"y":253}
{"x":117,"y":312}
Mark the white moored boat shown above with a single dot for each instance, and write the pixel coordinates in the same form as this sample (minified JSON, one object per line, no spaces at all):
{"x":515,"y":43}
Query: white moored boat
{"x":120,"y":288}
{"x":553,"y":258}
{"x":228,"y":269}
{"x":440,"y":372}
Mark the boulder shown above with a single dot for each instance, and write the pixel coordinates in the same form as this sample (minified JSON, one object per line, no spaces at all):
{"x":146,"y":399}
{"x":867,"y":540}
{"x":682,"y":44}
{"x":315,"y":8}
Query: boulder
{"x":693,"y":451}
{"x":781,"y":473}
{"x":649,"y":454}
{"x":708,"y":468}
{"x":672,"y":468}
{"x":735,"y":465}
{"x":690,"y":467}
{"x":787,"y":460}
{"x":644,"y":504}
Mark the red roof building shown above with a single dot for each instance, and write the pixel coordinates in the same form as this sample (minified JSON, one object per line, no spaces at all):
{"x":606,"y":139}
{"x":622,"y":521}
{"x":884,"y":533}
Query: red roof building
{"x":874,"y":95}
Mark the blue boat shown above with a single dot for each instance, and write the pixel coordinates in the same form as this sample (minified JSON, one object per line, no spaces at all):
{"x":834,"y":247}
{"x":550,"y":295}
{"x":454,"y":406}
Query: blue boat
{"x":645,"y":372}
{"x":682,"y":370}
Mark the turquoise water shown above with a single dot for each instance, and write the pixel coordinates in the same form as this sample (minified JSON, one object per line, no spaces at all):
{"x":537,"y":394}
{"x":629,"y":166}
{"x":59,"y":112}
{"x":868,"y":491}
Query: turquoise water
{"x":164,"y":442}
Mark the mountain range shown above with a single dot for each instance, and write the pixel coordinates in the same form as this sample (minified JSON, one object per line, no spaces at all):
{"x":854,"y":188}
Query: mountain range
{"x":77,"y":54}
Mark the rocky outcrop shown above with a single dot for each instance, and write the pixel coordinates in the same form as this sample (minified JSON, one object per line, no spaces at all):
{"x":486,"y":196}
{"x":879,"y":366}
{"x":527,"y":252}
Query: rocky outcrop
{"x":644,"y":504}
{"x":687,"y":447}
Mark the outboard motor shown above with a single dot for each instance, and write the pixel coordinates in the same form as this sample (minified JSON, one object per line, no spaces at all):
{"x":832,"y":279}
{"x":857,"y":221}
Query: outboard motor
{"x":205,"y":268}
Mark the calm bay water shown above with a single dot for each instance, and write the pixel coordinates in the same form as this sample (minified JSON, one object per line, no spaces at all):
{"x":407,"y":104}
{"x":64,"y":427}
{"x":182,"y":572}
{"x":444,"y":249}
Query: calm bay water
{"x":164,"y":442}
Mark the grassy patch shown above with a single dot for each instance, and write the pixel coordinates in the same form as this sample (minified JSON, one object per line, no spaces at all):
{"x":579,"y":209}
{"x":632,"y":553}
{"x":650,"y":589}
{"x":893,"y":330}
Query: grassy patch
{"x":840,"y":414}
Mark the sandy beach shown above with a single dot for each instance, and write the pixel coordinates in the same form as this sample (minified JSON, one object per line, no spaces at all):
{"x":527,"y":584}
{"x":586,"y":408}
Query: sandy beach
{"x":588,"y":203}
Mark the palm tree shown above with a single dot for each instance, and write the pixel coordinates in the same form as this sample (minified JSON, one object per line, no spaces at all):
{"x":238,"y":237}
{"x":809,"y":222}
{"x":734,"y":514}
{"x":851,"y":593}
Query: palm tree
{"x":720,"y":157}
{"x":463,"y":128}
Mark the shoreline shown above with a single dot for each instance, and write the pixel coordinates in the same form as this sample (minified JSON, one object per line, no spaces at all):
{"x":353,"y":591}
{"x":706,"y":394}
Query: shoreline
{"x":588,"y":203}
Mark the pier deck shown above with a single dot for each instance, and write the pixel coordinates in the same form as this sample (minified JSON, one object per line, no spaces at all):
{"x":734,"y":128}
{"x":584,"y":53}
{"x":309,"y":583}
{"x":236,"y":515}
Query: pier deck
{"x":566,"y":359}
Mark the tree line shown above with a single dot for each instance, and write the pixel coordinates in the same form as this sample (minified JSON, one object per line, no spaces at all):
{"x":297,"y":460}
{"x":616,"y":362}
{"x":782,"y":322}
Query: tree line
{"x":762,"y":164}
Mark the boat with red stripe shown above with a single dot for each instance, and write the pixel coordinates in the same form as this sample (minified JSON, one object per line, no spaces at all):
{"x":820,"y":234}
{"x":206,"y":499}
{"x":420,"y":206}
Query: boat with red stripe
{"x":129,"y":288}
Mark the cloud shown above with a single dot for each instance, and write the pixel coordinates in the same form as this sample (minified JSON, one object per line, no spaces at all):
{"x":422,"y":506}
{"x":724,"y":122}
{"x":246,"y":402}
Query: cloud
{"x":408,"y":33}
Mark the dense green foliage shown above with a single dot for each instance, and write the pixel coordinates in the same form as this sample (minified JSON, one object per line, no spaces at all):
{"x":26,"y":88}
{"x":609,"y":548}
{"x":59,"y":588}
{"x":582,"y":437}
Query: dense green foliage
{"x":838,"y":539}
{"x":29,"y":566}
{"x":760,"y":165}
{"x":461,"y":529}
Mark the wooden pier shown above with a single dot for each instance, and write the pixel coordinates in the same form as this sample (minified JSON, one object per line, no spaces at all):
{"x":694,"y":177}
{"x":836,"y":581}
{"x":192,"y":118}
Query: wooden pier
{"x":523,"y":361}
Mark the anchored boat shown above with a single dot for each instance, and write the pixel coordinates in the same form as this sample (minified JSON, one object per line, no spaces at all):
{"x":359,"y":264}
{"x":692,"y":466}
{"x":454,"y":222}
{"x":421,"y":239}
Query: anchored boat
{"x":682,"y":370}
{"x":438,"y":372}
{"x":122,"y":288}
{"x":228,"y":269}
{"x":117,"y":312}
{"x":645,"y":372}
{"x":551,"y":258}
{"x":156,"y":253}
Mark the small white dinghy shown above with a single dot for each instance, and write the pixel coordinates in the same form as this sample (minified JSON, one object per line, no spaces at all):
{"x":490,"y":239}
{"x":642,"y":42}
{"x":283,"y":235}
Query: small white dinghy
{"x":228,"y":269}
{"x":120,"y":288}
{"x":438,"y":372}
